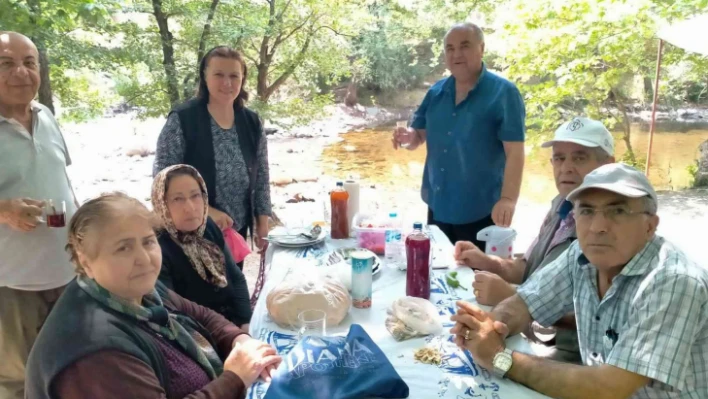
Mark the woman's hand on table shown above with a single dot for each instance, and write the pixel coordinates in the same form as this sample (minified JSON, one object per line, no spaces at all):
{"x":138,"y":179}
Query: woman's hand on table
{"x":490,"y":289}
{"x":251,"y":358}
{"x":221,"y":219}
{"x":478,"y":332}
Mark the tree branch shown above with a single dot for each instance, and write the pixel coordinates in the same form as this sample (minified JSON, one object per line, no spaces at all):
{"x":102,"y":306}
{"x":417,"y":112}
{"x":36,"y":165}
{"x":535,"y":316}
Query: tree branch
{"x":206,"y":31}
{"x":280,"y":39}
{"x":253,"y":45}
{"x":280,"y":15}
{"x":248,"y":57}
{"x":291,"y":69}
{"x":335,"y":31}
{"x":263,"y":52}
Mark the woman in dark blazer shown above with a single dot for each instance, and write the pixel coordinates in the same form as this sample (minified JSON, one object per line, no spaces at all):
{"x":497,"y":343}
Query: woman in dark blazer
{"x":224,"y":141}
{"x":196,"y":263}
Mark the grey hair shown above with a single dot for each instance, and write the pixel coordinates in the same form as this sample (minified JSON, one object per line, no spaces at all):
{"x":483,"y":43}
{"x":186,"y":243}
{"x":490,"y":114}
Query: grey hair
{"x":650,"y":205}
{"x":468,"y":26}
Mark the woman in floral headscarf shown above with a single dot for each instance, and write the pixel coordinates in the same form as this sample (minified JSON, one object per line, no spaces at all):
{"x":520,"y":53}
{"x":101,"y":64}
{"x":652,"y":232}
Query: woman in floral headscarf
{"x":196,"y":263}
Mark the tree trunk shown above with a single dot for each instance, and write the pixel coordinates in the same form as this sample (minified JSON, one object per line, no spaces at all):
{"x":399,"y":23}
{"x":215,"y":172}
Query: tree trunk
{"x":45,"y":85}
{"x":627,"y":127}
{"x":189,"y":85}
{"x":288,"y":72}
{"x":648,"y":90}
{"x":351,"y":99}
{"x":168,"y":52}
{"x":265,"y":55}
{"x":191,"y":81}
{"x":262,"y":83}
{"x":206,"y":31}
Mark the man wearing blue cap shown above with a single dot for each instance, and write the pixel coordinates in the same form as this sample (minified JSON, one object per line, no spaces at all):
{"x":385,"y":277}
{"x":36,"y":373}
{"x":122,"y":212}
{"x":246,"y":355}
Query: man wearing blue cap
{"x":641,"y":306}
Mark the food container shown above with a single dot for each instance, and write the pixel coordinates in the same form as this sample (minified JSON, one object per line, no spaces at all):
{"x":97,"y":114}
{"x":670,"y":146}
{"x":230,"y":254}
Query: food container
{"x":370,"y":231}
{"x":499,"y":240}
{"x":371,"y":238}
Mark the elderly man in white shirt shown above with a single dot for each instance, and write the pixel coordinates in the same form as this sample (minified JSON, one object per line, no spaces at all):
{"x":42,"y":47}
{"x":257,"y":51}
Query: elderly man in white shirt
{"x":34,"y":267}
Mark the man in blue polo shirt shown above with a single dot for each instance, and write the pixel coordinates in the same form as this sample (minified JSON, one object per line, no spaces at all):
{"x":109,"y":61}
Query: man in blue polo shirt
{"x":473,"y":126}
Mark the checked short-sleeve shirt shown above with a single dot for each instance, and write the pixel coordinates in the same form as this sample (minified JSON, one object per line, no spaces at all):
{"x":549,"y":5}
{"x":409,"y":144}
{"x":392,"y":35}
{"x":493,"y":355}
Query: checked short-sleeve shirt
{"x":653,"y":320}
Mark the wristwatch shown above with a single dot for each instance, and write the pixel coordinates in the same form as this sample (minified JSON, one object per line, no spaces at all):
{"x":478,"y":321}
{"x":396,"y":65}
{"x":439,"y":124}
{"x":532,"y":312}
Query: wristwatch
{"x":502,"y":362}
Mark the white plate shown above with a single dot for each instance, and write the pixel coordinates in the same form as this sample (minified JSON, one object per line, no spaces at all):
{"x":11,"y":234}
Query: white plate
{"x":297,"y":242}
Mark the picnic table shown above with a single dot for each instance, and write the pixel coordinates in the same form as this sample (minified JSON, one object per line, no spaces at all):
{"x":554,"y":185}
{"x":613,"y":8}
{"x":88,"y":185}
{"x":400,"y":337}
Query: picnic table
{"x":458,"y":377}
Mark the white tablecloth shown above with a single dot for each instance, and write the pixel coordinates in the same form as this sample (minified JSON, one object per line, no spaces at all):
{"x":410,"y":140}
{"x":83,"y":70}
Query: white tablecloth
{"x":458,"y":377}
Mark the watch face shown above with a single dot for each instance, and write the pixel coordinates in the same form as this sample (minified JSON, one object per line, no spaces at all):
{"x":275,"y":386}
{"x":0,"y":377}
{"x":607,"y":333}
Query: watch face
{"x":502,"y":361}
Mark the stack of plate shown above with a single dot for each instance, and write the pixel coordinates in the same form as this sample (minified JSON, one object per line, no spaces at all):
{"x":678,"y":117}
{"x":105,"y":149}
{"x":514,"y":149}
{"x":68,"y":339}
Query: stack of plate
{"x":294,"y":239}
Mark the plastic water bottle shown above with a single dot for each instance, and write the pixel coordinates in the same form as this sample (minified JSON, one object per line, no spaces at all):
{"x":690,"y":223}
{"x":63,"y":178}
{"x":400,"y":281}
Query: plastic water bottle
{"x":394,"y":243}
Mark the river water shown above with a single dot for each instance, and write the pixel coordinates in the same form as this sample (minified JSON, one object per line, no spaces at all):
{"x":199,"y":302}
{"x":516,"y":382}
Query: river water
{"x":368,"y":154}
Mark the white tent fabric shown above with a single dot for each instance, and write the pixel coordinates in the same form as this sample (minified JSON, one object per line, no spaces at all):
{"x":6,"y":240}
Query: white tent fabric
{"x":690,"y":35}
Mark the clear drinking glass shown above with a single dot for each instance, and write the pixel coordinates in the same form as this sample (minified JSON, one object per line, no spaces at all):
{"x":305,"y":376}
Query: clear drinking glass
{"x":55,"y":213}
{"x":312,"y":322}
{"x":405,"y":136}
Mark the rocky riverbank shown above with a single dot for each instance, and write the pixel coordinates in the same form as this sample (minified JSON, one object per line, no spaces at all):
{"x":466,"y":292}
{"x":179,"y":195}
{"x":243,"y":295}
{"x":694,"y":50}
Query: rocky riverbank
{"x":117,"y":152}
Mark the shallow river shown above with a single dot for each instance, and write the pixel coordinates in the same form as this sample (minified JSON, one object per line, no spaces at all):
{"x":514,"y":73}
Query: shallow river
{"x":368,"y":154}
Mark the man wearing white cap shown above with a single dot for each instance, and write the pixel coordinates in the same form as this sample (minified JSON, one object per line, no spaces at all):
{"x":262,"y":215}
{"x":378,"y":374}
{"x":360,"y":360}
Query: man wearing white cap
{"x":580,"y":146}
{"x":641,"y":305}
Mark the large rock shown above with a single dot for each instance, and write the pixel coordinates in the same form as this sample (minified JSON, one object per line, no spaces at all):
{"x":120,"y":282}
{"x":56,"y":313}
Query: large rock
{"x":702,"y":174}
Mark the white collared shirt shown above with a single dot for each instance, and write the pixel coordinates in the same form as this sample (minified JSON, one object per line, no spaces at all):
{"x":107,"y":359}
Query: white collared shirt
{"x":34,"y":166}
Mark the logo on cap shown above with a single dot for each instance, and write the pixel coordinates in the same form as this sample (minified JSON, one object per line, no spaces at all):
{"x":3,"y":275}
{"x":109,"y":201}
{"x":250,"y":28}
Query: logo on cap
{"x":575,"y":125}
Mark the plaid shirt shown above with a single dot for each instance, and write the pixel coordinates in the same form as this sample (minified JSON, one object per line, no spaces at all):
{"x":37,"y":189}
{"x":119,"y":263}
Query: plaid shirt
{"x":653,"y":320}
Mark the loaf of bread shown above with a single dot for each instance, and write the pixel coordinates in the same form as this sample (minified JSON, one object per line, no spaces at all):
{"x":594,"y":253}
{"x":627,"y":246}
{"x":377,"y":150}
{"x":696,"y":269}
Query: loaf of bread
{"x":293,"y":296}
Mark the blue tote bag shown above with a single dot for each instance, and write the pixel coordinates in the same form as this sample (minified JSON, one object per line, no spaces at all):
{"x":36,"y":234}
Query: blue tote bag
{"x":348,"y":367}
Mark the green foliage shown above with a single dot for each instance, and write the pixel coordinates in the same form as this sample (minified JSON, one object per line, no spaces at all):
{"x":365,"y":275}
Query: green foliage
{"x":81,"y":97}
{"x":692,"y":173}
{"x":569,"y":56}
{"x":403,"y":45}
{"x":685,"y":78}
{"x":67,"y":30}
{"x":679,"y":9}
{"x":146,"y":93}
{"x":392,"y":53}
{"x":637,"y":161}
{"x":575,"y":57}
{"x":293,"y":43}
{"x":295,"y":111}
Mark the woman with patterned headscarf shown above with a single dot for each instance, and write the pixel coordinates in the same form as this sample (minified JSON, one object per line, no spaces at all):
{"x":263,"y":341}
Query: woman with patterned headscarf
{"x":196,"y":263}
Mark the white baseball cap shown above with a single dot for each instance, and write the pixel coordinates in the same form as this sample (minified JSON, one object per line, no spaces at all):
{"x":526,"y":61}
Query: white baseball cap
{"x":617,"y":178}
{"x":586,"y":132}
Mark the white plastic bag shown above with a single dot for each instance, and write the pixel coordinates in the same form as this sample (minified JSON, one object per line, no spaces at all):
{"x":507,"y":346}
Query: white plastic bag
{"x":411,"y":317}
{"x":308,"y":291}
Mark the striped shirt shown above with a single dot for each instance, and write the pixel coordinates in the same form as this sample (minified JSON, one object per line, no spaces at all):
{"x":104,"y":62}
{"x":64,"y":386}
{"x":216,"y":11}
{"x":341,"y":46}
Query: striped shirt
{"x":652,"y":321}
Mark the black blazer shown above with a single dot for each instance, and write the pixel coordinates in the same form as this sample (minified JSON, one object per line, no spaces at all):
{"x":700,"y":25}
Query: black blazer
{"x":177,"y":273}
